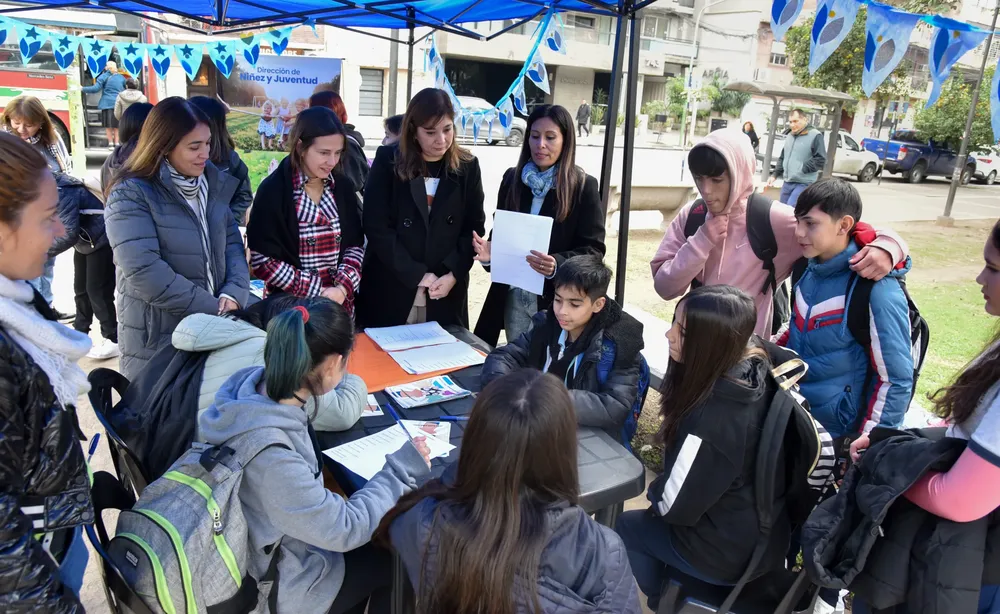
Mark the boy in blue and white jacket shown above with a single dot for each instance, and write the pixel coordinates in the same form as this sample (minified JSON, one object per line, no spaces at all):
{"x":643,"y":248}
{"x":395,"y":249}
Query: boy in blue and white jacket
{"x":839,"y":367}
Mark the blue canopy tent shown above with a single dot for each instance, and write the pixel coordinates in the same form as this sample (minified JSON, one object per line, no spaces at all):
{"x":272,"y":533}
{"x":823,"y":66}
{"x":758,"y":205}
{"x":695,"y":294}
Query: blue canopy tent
{"x":235,"y":16}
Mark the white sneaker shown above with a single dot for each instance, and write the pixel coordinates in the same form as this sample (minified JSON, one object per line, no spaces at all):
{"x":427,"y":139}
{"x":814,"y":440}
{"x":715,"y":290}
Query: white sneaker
{"x":105,"y":351}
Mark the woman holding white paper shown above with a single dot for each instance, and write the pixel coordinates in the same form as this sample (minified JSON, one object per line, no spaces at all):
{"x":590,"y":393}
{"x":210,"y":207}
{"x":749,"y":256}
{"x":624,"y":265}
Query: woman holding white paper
{"x":546,"y":181}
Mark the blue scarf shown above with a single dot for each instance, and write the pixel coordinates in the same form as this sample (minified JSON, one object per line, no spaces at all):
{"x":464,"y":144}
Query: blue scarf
{"x":540,"y":182}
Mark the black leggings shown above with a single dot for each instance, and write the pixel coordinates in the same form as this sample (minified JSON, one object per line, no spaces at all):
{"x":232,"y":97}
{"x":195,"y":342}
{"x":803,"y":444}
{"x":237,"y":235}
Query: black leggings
{"x":94,"y":287}
{"x":368,"y":575}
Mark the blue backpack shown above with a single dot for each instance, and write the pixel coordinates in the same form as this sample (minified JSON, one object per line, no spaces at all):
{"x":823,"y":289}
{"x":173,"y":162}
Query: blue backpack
{"x":604,"y":365}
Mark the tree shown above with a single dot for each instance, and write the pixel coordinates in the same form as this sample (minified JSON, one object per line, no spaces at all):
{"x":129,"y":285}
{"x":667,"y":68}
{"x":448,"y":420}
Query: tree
{"x":945,"y":121}
{"x":726,"y":101}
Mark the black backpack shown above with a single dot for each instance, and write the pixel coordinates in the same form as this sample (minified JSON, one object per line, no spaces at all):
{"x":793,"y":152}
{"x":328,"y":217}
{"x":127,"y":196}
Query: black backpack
{"x":763,"y":244}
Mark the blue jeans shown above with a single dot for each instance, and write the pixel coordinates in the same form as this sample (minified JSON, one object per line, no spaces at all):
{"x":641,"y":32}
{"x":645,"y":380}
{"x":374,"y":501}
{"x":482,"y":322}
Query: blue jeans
{"x":74,"y":563}
{"x":989,"y":603}
{"x":44,"y":283}
{"x":647,"y":541}
{"x":790,"y":192}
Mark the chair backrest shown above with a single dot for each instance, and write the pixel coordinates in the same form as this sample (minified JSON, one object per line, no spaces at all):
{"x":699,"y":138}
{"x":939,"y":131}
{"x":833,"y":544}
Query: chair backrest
{"x":128,"y":467}
{"x":108,"y":493}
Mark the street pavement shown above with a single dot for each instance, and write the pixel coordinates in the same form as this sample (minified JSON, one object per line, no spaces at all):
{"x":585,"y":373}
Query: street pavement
{"x":892,"y":201}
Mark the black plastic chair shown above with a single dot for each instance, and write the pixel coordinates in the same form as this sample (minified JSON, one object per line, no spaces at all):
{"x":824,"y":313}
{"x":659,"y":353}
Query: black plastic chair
{"x":128,"y":467}
{"x":108,"y":493}
{"x":780,"y":592}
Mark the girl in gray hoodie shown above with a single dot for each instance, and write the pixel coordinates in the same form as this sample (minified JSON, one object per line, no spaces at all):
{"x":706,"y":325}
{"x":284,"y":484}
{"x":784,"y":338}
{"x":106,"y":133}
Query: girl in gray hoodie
{"x":326,"y":561}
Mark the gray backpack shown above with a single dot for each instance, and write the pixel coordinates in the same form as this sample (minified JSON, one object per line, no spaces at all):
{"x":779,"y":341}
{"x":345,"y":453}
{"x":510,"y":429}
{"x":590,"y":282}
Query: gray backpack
{"x":184,"y":548}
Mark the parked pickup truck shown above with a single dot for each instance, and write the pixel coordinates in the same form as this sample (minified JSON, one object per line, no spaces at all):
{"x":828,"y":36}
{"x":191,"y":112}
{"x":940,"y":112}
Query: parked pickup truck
{"x":917,"y":158}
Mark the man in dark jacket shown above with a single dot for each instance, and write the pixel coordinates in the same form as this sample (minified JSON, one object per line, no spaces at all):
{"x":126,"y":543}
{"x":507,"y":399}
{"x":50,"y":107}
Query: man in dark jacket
{"x":802,"y":159}
{"x":888,"y":551}
{"x":589,"y":342}
{"x":583,"y":118}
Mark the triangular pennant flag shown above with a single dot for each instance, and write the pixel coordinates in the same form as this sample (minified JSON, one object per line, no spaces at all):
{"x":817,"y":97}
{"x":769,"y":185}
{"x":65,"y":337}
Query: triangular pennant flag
{"x":505,"y":115}
{"x":223,"y":55}
{"x":887,"y":36}
{"x":952,"y":39}
{"x":465,"y":122}
{"x":248,"y":49}
{"x":159,"y":57}
{"x":311,"y":22}
{"x":133,"y":57}
{"x":64,"y":48}
{"x":995,"y":105}
{"x":189,"y":55}
{"x":476,"y":123}
{"x":540,"y":77}
{"x":518,"y":95}
{"x":554,"y":38}
{"x":97,"y":52}
{"x":32,"y":39}
{"x":834,"y":20}
{"x":6,"y":28}
{"x":278,"y":39}
{"x":783,"y":16}
{"x":440,"y":77}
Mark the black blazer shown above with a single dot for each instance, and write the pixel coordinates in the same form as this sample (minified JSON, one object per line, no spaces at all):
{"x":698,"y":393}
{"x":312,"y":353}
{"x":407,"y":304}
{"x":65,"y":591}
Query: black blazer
{"x":582,"y":232}
{"x":406,"y":240}
{"x":273,"y":228}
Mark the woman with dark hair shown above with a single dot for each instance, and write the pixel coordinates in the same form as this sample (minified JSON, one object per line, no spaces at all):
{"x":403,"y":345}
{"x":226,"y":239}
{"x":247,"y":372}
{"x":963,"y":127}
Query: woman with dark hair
{"x":423,"y":203}
{"x":546,"y":181}
{"x":223,"y":155}
{"x":175,"y":240}
{"x":392,"y":127}
{"x":355,"y":163}
{"x":326,"y":563}
{"x":751,"y":134}
{"x":715,"y":396}
{"x":502,"y":532}
{"x":304,"y":234}
{"x":46,"y":493}
{"x":128,"y":130}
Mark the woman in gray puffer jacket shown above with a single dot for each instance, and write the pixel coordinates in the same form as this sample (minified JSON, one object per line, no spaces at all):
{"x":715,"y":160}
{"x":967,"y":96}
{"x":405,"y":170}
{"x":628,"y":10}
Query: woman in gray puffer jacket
{"x":175,"y":240}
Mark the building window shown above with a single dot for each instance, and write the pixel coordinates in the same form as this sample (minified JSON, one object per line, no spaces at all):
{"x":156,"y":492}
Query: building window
{"x":686,"y":3}
{"x":370,"y":100}
{"x":582,"y":21}
{"x":778,"y":59}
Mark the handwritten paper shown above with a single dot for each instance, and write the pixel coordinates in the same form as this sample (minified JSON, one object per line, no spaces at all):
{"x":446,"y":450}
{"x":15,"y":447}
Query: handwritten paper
{"x":408,"y":336}
{"x":515,"y":235}
{"x":438,"y":358}
{"x":372,"y":408}
{"x":366,"y":456}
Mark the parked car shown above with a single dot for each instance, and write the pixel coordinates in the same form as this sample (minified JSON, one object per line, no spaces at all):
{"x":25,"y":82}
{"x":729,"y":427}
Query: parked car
{"x":987,"y":167}
{"x":851,"y":158}
{"x":495,"y":134}
{"x":916,"y":158}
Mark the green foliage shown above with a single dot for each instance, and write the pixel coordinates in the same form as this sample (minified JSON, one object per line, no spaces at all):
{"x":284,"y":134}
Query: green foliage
{"x":599,"y":108}
{"x":655,"y":107}
{"x":945,"y":121}
{"x":726,"y":101}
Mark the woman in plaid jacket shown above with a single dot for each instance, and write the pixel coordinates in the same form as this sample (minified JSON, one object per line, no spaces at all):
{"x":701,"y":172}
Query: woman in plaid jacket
{"x":304,"y":233}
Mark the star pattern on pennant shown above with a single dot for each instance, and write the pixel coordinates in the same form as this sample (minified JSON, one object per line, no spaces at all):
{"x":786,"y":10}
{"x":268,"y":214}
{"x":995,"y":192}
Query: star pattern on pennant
{"x":160,"y":51}
{"x":96,"y":47}
{"x":131,"y":49}
{"x":65,"y":42}
{"x":220,"y":48}
{"x":186,"y":50}
{"x":31,"y":33}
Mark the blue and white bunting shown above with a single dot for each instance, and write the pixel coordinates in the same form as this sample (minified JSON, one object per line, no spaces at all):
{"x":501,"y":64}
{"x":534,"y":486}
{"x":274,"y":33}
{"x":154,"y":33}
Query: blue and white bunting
{"x":248,"y":49}
{"x":952,"y":39}
{"x":223,"y":56}
{"x":554,"y":38}
{"x":189,"y":56}
{"x":133,"y":57}
{"x":887,"y":36}
{"x":995,"y":104}
{"x":278,"y":39}
{"x":64,"y":48}
{"x":539,"y":75}
{"x":505,"y":115}
{"x":520,"y":103}
{"x":159,"y":57}
{"x":6,"y":30}
{"x":476,"y":123}
{"x":32,"y":39}
{"x":834,"y":19}
{"x":97,"y":53}
{"x":783,"y":16}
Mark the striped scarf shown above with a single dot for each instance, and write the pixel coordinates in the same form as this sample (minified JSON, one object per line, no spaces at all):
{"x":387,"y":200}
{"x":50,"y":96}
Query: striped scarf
{"x":56,"y":150}
{"x":195,"y":191}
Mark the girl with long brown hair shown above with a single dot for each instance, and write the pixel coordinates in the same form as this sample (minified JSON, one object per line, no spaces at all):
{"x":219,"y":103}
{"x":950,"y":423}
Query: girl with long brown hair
{"x":423,"y":203}
{"x":174,"y":237}
{"x":502,"y":532}
{"x":546,"y":181}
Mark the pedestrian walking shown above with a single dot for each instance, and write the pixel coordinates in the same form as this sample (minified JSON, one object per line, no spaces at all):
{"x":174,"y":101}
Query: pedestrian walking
{"x":802,"y":159}
{"x":583,"y":113}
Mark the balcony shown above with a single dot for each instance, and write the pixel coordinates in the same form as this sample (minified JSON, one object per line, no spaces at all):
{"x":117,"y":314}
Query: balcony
{"x":670,"y":47}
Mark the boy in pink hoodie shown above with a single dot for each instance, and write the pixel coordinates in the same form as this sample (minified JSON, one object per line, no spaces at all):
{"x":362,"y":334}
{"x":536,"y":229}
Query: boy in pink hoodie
{"x":720,"y":252}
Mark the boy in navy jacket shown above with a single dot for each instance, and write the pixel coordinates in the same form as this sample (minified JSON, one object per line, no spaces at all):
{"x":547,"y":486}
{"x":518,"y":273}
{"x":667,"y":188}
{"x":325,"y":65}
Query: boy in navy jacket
{"x":850,"y":390}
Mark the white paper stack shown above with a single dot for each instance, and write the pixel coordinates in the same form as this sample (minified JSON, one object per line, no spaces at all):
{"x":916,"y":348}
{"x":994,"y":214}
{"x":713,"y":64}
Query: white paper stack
{"x":366,"y":456}
{"x":408,"y":336}
{"x":424,"y":348}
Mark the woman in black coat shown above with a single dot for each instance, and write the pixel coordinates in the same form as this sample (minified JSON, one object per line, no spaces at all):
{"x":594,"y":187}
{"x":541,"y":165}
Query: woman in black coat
{"x":547,"y":182}
{"x":423,"y":202}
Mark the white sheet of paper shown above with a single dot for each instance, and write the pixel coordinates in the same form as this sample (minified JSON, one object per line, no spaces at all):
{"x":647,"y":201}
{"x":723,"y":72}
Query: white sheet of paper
{"x":408,"y":336}
{"x":514,"y":236}
{"x":432,"y":428}
{"x":366,"y":456}
{"x":438,"y":357}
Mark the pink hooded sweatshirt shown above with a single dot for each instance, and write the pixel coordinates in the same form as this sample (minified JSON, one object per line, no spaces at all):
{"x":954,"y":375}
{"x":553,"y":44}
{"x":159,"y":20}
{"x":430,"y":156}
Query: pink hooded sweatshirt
{"x":680,"y":259}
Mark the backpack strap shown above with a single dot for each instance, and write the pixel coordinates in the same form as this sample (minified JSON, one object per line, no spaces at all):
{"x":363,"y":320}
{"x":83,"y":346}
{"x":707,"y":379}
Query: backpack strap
{"x":798,"y":270}
{"x":859,"y":291}
{"x":769,"y":450}
{"x":761,"y":236}
{"x":696,"y":218}
{"x":244,"y":447}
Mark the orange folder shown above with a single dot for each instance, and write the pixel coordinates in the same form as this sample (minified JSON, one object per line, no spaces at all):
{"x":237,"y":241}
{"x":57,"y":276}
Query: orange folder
{"x":374,"y":365}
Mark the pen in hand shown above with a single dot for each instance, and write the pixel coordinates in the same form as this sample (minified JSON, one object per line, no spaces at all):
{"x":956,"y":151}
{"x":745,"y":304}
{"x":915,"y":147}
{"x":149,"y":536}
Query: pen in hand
{"x":420,"y":443}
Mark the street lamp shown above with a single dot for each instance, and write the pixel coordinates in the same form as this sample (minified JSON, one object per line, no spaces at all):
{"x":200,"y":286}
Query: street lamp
{"x":690,"y":77}
{"x":959,"y":170}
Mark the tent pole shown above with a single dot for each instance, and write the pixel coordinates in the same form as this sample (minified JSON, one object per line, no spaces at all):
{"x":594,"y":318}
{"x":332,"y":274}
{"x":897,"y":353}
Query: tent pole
{"x":393,"y":72}
{"x":631,"y":91}
{"x":410,"y":14}
{"x":765,"y":172}
{"x":831,"y":146}
{"x":611,"y":114}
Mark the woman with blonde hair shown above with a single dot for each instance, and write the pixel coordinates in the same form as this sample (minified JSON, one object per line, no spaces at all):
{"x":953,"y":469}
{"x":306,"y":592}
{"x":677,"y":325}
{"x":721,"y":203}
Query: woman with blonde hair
{"x":109,"y":83}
